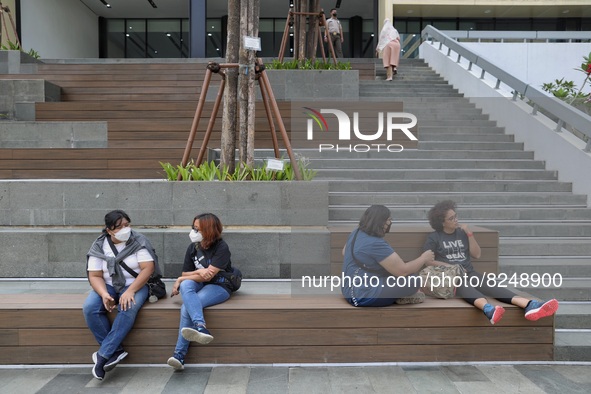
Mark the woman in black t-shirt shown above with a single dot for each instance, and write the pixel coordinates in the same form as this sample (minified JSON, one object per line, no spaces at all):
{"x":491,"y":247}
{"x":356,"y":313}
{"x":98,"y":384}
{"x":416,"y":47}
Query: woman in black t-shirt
{"x":454,"y":243}
{"x":203,"y":283}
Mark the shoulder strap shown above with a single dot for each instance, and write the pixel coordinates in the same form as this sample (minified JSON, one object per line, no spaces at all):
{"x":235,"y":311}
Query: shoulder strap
{"x":121,"y":263}
{"x":360,"y":264}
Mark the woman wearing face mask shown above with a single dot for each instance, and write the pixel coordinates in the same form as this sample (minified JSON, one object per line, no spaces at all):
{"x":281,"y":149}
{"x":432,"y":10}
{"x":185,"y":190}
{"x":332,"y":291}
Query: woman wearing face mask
{"x":373,"y":273}
{"x":203,"y":283}
{"x":113,"y":287}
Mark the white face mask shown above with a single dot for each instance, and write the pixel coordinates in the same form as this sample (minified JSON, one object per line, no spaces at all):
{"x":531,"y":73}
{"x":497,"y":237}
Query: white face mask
{"x":123,"y":234}
{"x":195,"y":236}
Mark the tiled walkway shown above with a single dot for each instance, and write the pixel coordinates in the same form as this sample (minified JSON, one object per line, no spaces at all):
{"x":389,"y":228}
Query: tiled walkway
{"x":408,"y":378}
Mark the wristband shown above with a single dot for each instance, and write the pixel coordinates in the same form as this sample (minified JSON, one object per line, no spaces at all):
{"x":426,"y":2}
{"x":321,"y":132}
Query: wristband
{"x":469,"y":235}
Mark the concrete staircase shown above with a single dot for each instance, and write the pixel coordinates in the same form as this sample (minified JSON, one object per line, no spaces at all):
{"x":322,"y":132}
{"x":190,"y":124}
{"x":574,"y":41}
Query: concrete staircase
{"x":544,"y":228}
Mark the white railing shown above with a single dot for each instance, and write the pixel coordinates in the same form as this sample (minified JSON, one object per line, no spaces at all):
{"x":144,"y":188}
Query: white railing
{"x":563,"y":114}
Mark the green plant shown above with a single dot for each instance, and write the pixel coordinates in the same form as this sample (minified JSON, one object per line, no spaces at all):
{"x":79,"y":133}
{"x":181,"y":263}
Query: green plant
{"x":560,"y":88}
{"x":33,"y":53}
{"x":170,"y":170}
{"x":16,"y":47}
{"x":566,"y":90}
{"x":308,"y":64}
{"x":211,"y":172}
{"x":12,"y":46}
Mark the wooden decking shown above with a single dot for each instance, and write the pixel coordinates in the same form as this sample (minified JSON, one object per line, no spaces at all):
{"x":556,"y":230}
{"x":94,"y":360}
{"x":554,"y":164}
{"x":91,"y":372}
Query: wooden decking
{"x":149,"y":109}
{"x":270,"y":328}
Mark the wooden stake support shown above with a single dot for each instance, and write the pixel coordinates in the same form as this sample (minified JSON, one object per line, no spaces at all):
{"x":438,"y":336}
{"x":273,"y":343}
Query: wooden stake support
{"x":271,"y":108}
{"x":321,"y":22}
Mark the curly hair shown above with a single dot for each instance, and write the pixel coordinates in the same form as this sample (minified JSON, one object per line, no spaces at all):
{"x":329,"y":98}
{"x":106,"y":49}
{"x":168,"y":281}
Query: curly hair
{"x":437,"y":214}
{"x":373,"y":220}
{"x":211,"y":228}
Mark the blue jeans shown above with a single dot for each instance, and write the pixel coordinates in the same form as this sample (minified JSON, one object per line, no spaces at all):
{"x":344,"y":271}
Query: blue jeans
{"x":196,"y":296}
{"x":110,"y":337}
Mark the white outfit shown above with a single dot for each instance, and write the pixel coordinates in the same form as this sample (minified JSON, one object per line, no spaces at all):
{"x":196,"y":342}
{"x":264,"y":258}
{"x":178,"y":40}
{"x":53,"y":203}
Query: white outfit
{"x":133,"y":261}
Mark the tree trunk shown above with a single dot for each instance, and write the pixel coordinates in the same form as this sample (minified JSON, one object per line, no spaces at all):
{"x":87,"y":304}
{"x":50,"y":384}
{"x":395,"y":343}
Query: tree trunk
{"x":229,"y":117}
{"x":301,"y":36}
{"x":249,"y":26}
{"x":313,"y":31}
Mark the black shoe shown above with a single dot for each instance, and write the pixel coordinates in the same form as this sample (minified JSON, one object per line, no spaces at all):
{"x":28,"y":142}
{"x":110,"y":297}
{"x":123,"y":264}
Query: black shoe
{"x":98,"y":371}
{"x":115,"y":359}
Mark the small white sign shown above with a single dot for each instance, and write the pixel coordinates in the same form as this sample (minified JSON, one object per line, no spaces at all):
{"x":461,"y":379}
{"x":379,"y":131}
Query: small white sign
{"x":253,"y":43}
{"x":275,"y":164}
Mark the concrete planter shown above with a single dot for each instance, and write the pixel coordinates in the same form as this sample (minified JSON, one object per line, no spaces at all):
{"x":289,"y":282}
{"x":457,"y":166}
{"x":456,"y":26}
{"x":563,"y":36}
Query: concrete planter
{"x":17,"y":62}
{"x":314,"y":84}
{"x":274,"y":229}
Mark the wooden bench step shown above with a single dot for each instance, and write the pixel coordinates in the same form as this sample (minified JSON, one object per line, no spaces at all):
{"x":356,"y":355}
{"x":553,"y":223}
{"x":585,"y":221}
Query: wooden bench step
{"x":278,"y":328}
{"x":408,"y":240}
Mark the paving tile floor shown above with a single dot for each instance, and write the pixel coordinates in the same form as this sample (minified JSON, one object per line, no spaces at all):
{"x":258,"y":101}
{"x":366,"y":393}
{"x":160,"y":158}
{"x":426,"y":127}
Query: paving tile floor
{"x":404,"y":378}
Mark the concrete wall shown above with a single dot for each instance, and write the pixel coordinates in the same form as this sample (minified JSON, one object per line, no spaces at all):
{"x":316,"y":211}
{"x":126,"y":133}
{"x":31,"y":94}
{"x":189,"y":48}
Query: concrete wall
{"x":562,"y":151}
{"x":43,"y":28}
{"x":162,"y":203}
{"x":17,"y":91}
{"x":537,"y":63}
{"x":274,"y":229}
{"x":267,"y":253}
{"x":53,"y":134}
{"x":314,"y":84}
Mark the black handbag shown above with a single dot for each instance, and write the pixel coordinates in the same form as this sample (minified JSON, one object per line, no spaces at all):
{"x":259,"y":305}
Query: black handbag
{"x":234,"y":277}
{"x":156,"y":287}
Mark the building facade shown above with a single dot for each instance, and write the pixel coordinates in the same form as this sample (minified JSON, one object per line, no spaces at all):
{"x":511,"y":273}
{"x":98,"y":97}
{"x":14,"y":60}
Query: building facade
{"x":197,"y":28}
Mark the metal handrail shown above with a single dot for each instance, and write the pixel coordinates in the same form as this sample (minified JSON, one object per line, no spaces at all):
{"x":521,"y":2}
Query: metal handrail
{"x":564,"y":113}
{"x":517,"y":35}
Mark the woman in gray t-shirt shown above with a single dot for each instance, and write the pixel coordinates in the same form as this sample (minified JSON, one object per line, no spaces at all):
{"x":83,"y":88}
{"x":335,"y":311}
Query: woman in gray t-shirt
{"x":373,"y":273}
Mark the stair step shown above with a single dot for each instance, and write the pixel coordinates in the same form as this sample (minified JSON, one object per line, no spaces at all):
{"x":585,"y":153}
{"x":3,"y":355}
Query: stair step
{"x":473,"y":146}
{"x":435,"y":174}
{"x":546,"y":246}
{"x":571,"y":267}
{"x":572,"y":345}
{"x":419,"y":164}
{"x":572,"y":289}
{"x":405,"y":154}
{"x":462,"y":199}
{"x":574,"y":316}
{"x":476,"y":214}
{"x":441,"y":186}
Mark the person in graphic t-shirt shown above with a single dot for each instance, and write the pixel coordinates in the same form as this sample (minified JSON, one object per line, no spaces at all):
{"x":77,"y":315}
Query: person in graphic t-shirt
{"x":454,"y":243}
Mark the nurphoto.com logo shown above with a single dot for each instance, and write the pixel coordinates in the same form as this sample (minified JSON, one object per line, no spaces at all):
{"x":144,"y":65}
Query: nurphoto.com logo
{"x":359,"y":127}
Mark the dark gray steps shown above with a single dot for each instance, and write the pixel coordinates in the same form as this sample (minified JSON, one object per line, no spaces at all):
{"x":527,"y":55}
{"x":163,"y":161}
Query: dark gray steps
{"x":567,"y":266}
{"x":548,"y":246}
{"x":458,"y":145}
{"x":572,"y":345}
{"x":435,"y":174}
{"x":479,"y":214}
{"x":405,"y":154}
{"x":456,"y":186}
{"x":462,"y":199}
{"x":419,"y":164}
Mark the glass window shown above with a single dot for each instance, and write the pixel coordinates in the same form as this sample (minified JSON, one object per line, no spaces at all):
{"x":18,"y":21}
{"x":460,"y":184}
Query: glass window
{"x":214,"y":43}
{"x":135,"y":33}
{"x":164,"y":38}
{"x":266,"y":33}
{"x":185,"y":38}
{"x":368,"y":41}
{"x":445,"y":24}
{"x":347,"y":42}
{"x":116,"y":38}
